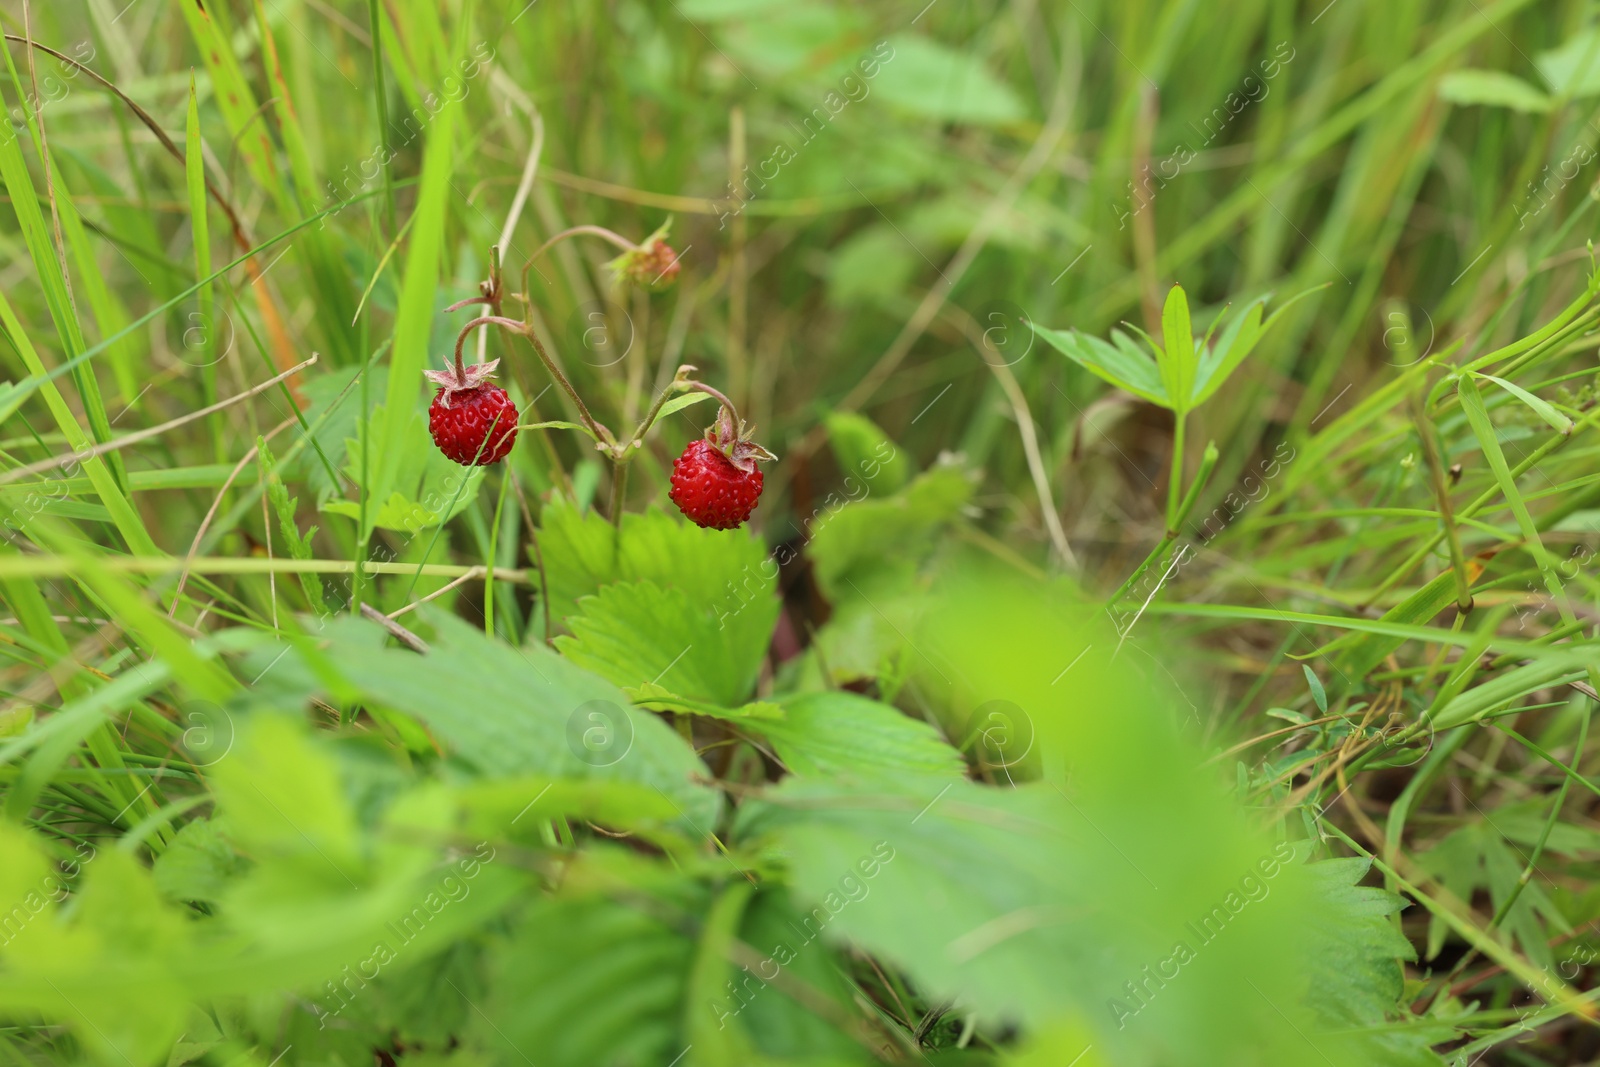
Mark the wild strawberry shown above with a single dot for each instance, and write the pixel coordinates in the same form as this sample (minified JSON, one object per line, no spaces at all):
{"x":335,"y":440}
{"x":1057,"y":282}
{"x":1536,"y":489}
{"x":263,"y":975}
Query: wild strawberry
{"x":715,"y":482}
{"x":471,"y":419}
{"x":652,"y":265}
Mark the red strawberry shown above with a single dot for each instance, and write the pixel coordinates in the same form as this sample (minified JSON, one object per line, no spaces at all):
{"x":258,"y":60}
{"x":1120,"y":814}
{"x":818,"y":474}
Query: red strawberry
{"x":471,"y":419}
{"x":715,"y":482}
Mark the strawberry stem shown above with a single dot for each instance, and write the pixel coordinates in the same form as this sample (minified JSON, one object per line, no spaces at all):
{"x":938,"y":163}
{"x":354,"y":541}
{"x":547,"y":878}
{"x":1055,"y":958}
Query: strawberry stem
{"x":576,"y":231}
{"x":702,"y":387}
{"x":680,"y":381}
{"x":601,"y":434}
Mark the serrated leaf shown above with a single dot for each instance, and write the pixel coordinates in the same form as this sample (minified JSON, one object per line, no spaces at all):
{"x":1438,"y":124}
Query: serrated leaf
{"x":587,"y":980}
{"x":637,"y":633}
{"x":528,"y":710}
{"x":1354,"y":953}
{"x":660,"y":698}
{"x":1002,"y":898}
{"x":843,"y":735}
{"x":726,"y":573}
{"x":1476,"y":858}
{"x":112,"y":970}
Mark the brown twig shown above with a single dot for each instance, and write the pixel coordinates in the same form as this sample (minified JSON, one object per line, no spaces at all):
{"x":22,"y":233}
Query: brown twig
{"x":401,"y":634}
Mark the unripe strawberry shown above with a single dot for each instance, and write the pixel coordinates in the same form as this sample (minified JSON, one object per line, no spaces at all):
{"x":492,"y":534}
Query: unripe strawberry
{"x":472,"y":420}
{"x":715,"y":482}
{"x":652,"y":266}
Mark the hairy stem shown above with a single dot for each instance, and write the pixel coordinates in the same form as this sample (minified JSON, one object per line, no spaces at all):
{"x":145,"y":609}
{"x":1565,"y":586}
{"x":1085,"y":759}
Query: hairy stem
{"x":601,"y":434}
{"x":575,"y":231}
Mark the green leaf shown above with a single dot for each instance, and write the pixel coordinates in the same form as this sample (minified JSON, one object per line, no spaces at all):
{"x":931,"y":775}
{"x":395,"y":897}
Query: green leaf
{"x":1541,"y":408}
{"x":637,"y":633}
{"x":1237,"y":341}
{"x":110,"y":970}
{"x":721,"y":571}
{"x":777,"y":1024}
{"x":104,"y":471}
{"x":395,"y":430}
{"x":929,"y":79}
{"x":283,"y":505}
{"x":1176,"y":359}
{"x":1504,"y":689}
{"x":660,"y":698}
{"x":1573,"y":69}
{"x":785,"y":40}
{"x":197,"y":865}
{"x":1492,"y":87}
{"x":842,"y":735}
{"x":427,"y":489}
{"x":1354,"y":952}
{"x":286,"y":809}
{"x":865,"y":453}
{"x":586,"y":979}
{"x":678,"y":403}
{"x":1121,"y":363}
{"x":715,"y":10}
{"x":1003,"y":898}
{"x":878,"y":542}
{"x":1363,"y":652}
{"x":1477,"y":858}
{"x":872,"y":266}
{"x":1218,"y":362}
{"x":530,"y":712}
{"x":1318,"y":694}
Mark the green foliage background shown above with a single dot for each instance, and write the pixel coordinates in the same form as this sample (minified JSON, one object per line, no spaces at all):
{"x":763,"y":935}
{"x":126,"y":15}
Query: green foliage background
{"x":1113,"y":673}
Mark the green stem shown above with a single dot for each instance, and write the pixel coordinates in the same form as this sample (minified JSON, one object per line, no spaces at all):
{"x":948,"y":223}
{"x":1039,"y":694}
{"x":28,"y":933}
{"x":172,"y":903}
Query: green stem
{"x":702,"y":387}
{"x":679,"y":383}
{"x":1549,"y":825}
{"x":619,"y":488}
{"x":575,"y":231}
{"x":1430,"y":450}
{"x":601,"y":434}
{"x":488,"y":576}
{"x":1175,"y":481}
{"x":1207,"y":463}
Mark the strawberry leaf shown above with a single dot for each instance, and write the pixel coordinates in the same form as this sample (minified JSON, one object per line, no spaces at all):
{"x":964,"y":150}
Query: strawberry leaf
{"x":726,"y":572}
{"x":843,"y":735}
{"x":638,"y":633}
